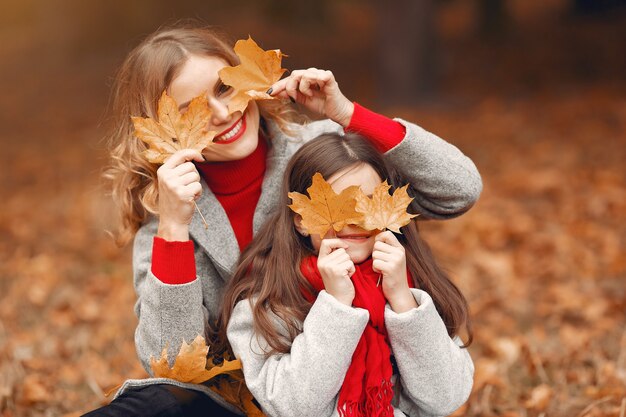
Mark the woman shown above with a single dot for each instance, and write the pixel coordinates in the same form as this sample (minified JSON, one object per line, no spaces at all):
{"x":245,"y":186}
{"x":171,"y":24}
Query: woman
{"x":181,"y":267}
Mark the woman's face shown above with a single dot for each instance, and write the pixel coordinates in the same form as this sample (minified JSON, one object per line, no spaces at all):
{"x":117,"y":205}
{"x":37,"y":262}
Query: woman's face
{"x":360,"y":241}
{"x":237,"y":133}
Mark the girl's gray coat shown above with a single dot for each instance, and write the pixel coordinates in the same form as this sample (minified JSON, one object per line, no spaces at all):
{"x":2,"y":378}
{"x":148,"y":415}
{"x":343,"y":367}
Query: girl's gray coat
{"x":446,"y":181}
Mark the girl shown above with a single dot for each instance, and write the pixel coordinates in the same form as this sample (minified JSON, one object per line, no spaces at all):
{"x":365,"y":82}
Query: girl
{"x":181,"y":267}
{"x":307,"y":316}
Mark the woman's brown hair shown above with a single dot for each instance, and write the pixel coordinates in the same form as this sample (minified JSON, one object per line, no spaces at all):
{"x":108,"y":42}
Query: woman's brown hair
{"x":147,"y":71}
{"x":269,"y":269}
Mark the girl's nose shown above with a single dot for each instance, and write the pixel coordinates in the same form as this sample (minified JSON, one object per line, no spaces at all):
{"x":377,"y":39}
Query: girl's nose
{"x":219,"y":112}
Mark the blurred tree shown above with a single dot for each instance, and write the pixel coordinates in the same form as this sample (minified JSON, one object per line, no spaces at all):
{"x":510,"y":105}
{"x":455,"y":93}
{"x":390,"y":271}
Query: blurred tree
{"x":494,"y":18}
{"x":596,"y":6}
{"x":406,"y":51}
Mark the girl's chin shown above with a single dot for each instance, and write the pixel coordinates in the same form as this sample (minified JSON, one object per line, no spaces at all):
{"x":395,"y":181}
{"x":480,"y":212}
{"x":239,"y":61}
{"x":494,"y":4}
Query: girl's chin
{"x":358,"y":257}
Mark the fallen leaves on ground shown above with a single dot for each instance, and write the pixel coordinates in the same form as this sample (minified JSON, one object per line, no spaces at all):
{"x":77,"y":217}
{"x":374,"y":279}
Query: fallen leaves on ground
{"x":540,"y":257}
{"x":173,"y":131}
{"x":251,"y":79}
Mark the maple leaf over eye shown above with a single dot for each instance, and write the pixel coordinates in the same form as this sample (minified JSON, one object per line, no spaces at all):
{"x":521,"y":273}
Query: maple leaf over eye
{"x":384,"y":211}
{"x":191,"y":363}
{"x":326,"y":209}
{"x":174,"y":131}
{"x":251,"y":79}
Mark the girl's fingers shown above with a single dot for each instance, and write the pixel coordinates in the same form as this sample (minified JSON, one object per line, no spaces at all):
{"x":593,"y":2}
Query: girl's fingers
{"x":388,"y":238}
{"x":351,"y":269}
{"x":338,"y":256}
{"x":329,"y":245}
{"x":378,"y":266}
{"x":383,"y":256}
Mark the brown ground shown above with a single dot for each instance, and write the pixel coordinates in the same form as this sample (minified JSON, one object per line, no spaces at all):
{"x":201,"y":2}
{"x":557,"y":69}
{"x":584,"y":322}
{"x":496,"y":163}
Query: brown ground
{"x":540,"y":257}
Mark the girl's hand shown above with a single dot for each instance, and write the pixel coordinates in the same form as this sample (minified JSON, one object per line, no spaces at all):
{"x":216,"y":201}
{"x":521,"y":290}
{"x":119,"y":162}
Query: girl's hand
{"x":179,"y":185}
{"x":318,"y":92}
{"x":336,"y":268}
{"x":390,"y":261}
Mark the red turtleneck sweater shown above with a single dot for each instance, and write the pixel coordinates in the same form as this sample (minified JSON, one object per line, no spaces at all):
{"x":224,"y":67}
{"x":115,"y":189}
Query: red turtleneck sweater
{"x":237,"y":186}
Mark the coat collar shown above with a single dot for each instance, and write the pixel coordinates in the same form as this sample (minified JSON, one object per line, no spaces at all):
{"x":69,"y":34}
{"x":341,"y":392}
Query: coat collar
{"x":218,"y":239}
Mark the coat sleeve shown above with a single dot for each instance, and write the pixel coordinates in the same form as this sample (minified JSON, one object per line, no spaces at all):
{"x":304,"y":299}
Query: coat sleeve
{"x":168,"y":314}
{"x":435,"y":372}
{"x":446,"y":183}
{"x":305,"y":381}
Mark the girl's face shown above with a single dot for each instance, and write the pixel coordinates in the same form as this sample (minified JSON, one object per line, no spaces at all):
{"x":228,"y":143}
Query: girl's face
{"x":237,"y":133}
{"x":360,"y":241}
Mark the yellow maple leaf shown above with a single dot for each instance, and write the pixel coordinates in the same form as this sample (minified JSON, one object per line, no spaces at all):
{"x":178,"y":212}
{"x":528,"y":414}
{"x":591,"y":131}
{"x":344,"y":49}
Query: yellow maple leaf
{"x":173,"y":131}
{"x":326,"y":209}
{"x":385,"y":211}
{"x":235,"y":391}
{"x":252,"y":78}
{"x":191,"y":364}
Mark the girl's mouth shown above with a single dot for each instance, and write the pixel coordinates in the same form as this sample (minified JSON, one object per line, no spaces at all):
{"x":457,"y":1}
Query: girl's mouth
{"x":232,"y":133}
{"x":355,"y":237}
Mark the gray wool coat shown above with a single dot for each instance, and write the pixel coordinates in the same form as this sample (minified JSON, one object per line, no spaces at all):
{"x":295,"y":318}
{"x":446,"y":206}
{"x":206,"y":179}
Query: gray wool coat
{"x":446,"y":181}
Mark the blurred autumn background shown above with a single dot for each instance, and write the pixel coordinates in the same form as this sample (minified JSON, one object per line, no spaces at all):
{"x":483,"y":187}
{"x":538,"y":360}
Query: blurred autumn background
{"x":533,"y":91}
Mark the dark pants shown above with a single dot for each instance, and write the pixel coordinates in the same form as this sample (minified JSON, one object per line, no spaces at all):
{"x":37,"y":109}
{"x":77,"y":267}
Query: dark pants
{"x":161,"y":400}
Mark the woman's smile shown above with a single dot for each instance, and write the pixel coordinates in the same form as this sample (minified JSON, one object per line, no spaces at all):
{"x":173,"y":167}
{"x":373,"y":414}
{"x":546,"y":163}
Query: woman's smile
{"x":232,"y":133}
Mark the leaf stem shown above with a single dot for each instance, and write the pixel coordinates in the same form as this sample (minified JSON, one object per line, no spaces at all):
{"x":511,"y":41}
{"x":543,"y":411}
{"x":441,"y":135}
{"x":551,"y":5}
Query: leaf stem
{"x":206,"y":225}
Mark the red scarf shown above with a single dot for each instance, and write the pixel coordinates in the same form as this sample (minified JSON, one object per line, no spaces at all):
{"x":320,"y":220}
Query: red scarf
{"x":367,"y":389}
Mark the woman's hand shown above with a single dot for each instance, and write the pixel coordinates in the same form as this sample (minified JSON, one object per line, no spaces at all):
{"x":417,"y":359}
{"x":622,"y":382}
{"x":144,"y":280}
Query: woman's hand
{"x":336,"y":268}
{"x":318,"y":91}
{"x":389,"y":260}
{"x":179,"y":185}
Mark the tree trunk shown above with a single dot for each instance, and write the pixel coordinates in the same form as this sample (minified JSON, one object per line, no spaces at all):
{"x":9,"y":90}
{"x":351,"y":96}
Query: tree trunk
{"x":407,"y":59}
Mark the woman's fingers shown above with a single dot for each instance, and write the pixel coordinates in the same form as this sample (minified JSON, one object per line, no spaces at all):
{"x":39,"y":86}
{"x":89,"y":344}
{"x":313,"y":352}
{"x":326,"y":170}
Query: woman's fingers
{"x":182,"y":156}
{"x":194,"y":191}
{"x":190,"y":178}
{"x":184,"y":168}
{"x":305,"y":82}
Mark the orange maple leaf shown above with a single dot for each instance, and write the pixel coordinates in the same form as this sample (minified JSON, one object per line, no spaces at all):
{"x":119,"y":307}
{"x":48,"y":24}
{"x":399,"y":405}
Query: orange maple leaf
{"x":384,"y":211}
{"x":173,"y":131}
{"x":191,"y":364}
{"x":326,"y":209}
{"x":252,"y":78}
{"x":233,"y":389}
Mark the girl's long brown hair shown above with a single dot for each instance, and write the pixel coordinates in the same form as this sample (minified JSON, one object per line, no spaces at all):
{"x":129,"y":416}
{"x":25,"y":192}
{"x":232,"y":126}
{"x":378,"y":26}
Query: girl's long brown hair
{"x":147,"y":71}
{"x":269,"y":268}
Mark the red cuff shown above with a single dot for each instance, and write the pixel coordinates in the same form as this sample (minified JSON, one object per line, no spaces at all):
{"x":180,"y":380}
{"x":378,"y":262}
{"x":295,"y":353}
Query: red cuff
{"x":173,"y":262}
{"x":383,"y":132}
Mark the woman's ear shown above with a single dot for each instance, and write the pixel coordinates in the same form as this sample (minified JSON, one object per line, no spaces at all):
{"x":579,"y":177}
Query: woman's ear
{"x":297,"y":221}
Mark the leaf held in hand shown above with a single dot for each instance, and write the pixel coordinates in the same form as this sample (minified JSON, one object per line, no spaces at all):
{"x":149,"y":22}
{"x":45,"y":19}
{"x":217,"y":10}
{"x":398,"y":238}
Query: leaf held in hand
{"x":384,"y":211}
{"x":326,"y":209}
{"x":173,"y":131}
{"x":191,"y":364}
{"x":251,"y":79}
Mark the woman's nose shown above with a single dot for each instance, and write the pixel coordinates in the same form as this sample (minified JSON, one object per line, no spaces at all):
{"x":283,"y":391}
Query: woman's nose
{"x":219,"y":112}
